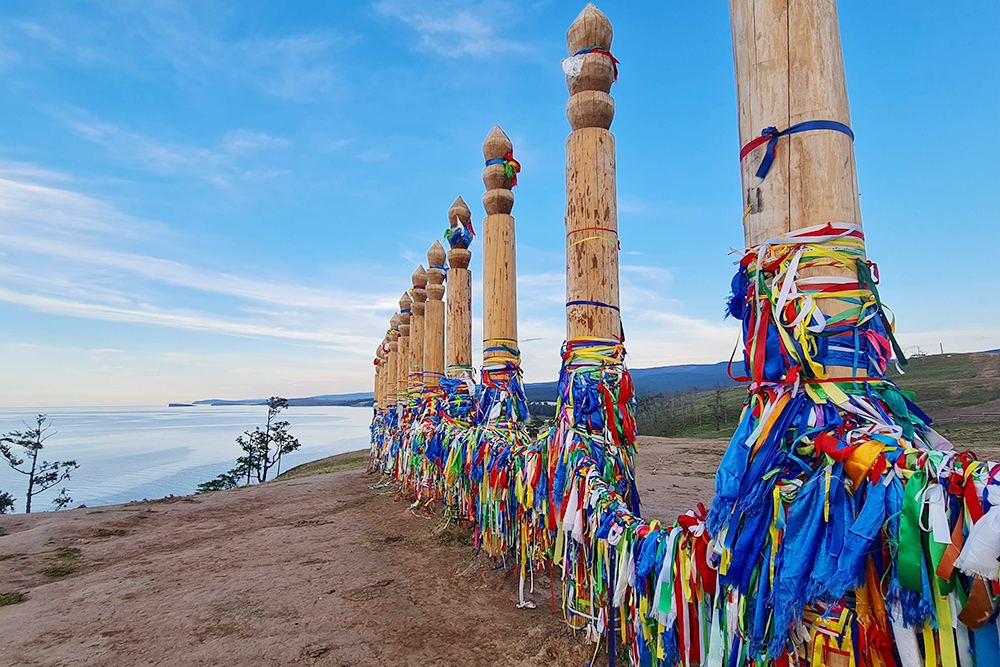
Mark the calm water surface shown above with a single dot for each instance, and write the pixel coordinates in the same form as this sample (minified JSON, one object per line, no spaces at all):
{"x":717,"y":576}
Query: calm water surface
{"x":133,"y":453}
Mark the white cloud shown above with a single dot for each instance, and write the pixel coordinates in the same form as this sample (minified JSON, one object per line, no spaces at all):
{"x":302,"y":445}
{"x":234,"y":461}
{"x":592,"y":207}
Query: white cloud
{"x":72,"y":237}
{"x":44,"y":209}
{"x":454,"y":29}
{"x":241,"y":142}
{"x":219,"y":166}
{"x":191,"y":38}
{"x":374,"y":155}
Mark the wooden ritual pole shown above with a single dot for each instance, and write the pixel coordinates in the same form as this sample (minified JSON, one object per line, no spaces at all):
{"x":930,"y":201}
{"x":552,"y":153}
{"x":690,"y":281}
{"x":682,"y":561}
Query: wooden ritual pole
{"x":434,"y":317}
{"x":499,"y":261}
{"x":377,"y":388}
{"x":402,"y":372}
{"x":789,"y":70}
{"x":591,"y":196}
{"x":458,"y":356}
{"x":393,"y":361}
{"x":415,"y":380}
{"x":383,"y":365}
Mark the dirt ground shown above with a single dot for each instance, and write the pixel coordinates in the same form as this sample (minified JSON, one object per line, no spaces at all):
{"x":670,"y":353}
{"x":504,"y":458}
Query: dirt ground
{"x":319,"y":570}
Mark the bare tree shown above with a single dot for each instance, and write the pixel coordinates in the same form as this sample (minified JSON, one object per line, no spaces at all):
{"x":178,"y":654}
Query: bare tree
{"x":43,"y":475}
{"x":6,"y":502}
{"x":262,"y":451}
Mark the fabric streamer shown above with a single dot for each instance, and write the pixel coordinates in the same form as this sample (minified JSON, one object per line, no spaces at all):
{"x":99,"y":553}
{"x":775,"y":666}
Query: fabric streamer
{"x":844,"y":532}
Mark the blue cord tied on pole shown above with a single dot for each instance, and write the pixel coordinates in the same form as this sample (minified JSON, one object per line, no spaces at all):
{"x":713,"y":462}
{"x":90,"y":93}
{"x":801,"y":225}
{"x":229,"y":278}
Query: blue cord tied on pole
{"x":770,"y":135}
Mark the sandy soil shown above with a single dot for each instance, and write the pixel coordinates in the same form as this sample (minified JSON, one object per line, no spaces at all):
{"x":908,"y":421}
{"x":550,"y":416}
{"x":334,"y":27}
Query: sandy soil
{"x":319,"y":570}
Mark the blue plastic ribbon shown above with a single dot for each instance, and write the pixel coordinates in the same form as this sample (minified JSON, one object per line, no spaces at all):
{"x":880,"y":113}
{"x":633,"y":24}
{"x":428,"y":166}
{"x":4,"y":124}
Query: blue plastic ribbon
{"x":771,"y":135}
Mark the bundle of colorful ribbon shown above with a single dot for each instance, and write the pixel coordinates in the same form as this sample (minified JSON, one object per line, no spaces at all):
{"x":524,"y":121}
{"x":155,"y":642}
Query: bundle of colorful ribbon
{"x":501,"y":410}
{"x":840,"y":514}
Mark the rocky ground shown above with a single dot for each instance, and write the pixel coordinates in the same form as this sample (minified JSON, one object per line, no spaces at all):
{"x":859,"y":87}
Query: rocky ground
{"x":314,"y":570}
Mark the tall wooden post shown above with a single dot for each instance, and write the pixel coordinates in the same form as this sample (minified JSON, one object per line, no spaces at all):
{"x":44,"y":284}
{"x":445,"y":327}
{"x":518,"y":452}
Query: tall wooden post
{"x":591,"y":197}
{"x":377,"y":387}
{"x":392,"y":389}
{"x":458,"y":357}
{"x":499,"y":261}
{"x":434,"y":317}
{"x":789,"y":70}
{"x":402,"y":372}
{"x":415,"y":381}
{"x":383,"y":365}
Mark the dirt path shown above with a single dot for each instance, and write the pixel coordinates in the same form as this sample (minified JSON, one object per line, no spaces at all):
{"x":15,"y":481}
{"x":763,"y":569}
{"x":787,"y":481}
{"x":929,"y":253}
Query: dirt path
{"x":319,"y":570}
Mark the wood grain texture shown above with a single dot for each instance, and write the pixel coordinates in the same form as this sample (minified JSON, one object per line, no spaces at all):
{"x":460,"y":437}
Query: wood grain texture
{"x":415,"y":367}
{"x":499,"y":249}
{"x":458,"y":303}
{"x":434,"y":317}
{"x":391,"y":394}
{"x":592,"y":271}
{"x":789,"y":69}
{"x":405,"y":304}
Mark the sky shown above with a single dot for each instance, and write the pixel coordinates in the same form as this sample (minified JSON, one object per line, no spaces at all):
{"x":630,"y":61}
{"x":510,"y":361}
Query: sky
{"x":226,"y":199}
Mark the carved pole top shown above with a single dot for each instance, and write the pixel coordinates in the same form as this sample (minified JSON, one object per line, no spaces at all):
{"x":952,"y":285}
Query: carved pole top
{"x":500,"y":173}
{"x":497,"y":144}
{"x":435,"y":258}
{"x":591,"y":28}
{"x":418,"y":292}
{"x":393,"y":333}
{"x":419,"y":277}
{"x":590,"y":70}
{"x":459,"y":212}
{"x":460,"y":234}
{"x":404,"y":314}
{"x":435,"y":275}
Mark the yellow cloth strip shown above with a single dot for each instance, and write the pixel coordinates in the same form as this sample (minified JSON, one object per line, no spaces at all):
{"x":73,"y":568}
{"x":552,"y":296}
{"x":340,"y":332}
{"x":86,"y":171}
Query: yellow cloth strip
{"x":592,"y":238}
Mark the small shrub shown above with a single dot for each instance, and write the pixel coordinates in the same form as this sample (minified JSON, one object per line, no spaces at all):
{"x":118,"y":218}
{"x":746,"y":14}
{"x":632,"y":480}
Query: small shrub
{"x":67,"y":553}
{"x":9,"y":556}
{"x":110,"y":532}
{"x":58,"y":570}
{"x":11,"y":598}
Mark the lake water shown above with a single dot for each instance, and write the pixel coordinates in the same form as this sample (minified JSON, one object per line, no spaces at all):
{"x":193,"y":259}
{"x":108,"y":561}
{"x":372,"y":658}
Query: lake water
{"x":133,"y":453}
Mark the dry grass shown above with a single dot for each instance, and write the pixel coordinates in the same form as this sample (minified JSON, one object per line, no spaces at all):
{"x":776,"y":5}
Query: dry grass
{"x":346,"y":461}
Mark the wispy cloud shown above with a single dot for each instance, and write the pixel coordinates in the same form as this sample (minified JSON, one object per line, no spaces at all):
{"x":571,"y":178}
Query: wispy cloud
{"x":242,"y":142}
{"x":74,"y":237}
{"x":218,"y":165}
{"x":455,"y":29}
{"x":190,"y":37}
{"x":45,"y":209}
{"x":374,"y":155}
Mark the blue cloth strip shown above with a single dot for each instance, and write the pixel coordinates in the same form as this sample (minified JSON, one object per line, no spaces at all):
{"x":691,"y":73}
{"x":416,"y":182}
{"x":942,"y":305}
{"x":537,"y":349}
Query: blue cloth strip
{"x":772,"y":132}
{"x":497,"y":160}
{"x":591,"y":303}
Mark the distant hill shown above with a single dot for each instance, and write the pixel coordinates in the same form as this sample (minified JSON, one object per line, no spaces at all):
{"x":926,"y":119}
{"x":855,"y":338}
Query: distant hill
{"x":961,"y":392}
{"x":661,"y":379}
{"x":657,"y":380}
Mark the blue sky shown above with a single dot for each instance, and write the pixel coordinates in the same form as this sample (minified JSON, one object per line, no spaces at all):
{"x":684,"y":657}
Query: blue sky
{"x":203,"y":199}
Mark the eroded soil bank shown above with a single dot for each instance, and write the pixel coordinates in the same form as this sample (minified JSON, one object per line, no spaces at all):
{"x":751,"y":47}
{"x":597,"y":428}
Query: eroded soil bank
{"x":319,"y":570}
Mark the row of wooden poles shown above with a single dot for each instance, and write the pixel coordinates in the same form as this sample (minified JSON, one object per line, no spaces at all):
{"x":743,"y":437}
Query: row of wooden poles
{"x":789,"y":69}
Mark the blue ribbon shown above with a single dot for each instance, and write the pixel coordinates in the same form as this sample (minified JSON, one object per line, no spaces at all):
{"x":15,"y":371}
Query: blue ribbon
{"x":591,"y":303}
{"x":773,"y":133}
{"x":496,"y":160}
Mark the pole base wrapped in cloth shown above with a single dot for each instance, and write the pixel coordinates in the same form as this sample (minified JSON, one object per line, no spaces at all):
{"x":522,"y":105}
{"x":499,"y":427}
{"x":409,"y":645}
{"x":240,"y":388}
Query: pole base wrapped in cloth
{"x":840,"y":513}
{"x":501,"y":411}
{"x":420,"y":462}
{"x":378,"y":458}
{"x":646,"y":583}
{"x":845,"y":531}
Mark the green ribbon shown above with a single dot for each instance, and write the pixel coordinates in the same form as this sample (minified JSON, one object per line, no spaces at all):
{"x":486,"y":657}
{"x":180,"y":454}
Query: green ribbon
{"x":910,"y":535}
{"x":867,"y":281}
{"x":897,"y":404}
